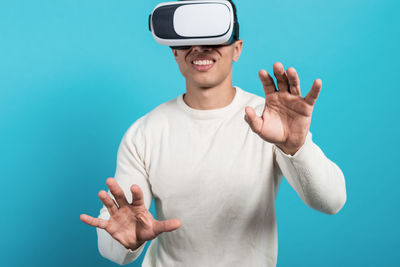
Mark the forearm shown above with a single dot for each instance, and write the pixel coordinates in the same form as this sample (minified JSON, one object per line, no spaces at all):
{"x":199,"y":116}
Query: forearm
{"x":318,"y":181}
{"x":130,"y":171}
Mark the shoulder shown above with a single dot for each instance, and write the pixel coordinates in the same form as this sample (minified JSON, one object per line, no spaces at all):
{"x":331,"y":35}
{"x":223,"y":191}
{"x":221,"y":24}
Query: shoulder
{"x":154,"y":120}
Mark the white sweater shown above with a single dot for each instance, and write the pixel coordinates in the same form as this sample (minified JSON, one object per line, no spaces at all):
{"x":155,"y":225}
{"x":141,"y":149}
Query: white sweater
{"x":208,"y":169}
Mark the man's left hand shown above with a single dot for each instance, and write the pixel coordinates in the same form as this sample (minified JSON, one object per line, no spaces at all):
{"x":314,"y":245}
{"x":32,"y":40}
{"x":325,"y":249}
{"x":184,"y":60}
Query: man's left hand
{"x":286,"y":118}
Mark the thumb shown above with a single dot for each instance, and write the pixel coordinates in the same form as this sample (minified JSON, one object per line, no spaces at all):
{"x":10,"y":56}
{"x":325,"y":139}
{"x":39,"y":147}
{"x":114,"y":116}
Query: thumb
{"x":253,"y":120}
{"x":166,"y":226}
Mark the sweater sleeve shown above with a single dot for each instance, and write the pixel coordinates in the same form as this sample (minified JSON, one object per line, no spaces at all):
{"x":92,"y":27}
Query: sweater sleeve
{"x":318,"y":181}
{"x":130,"y":170}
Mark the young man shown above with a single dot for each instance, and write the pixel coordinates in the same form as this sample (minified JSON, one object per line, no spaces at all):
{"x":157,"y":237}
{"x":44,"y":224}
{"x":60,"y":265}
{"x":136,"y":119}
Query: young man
{"x":213,"y":167}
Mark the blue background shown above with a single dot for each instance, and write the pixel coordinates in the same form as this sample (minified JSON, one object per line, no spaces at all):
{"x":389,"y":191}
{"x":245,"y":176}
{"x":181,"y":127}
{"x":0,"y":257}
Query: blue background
{"x":74,"y":75}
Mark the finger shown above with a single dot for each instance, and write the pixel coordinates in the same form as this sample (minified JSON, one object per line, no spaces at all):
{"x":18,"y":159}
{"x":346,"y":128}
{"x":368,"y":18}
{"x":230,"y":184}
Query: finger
{"x":267,"y":82}
{"x":108,"y":202}
{"x":294,"y":81}
{"x":137,"y":196}
{"x":281,"y":78}
{"x":166,"y":226}
{"x":96,"y":222}
{"x":117,"y":192}
{"x":312,"y":96}
{"x":253,"y":120}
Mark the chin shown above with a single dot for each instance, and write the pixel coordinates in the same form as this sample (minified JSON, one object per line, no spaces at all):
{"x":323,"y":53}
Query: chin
{"x":206,"y":85}
{"x":205,"y":82}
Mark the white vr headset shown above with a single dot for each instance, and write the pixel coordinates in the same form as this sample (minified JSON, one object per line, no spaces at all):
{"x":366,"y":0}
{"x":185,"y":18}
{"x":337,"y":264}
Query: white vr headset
{"x":182,"y":24}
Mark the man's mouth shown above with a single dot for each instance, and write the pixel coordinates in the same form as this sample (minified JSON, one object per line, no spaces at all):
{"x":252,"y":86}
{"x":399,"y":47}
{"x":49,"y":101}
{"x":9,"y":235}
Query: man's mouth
{"x":203,"y":64}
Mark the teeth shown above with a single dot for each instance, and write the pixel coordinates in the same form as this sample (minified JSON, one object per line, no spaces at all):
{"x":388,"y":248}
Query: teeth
{"x":203,"y":62}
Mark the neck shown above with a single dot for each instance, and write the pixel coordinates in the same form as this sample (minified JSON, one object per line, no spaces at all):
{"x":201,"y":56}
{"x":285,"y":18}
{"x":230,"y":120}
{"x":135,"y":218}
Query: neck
{"x":214,"y":97}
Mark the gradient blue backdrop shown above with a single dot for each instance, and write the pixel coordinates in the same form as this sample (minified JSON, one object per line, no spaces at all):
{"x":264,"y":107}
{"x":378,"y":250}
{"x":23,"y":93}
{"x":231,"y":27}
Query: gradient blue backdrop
{"x":74,"y":75}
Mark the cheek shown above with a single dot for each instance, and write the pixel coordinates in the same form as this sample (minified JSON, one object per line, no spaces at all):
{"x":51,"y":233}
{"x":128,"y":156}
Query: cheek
{"x":227,"y":58}
{"x":225,"y":65}
{"x":181,"y":64}
{"x":185,"y":68}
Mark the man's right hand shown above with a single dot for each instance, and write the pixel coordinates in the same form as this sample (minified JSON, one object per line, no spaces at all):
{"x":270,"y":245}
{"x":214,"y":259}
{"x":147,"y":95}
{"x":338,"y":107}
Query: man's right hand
{"x":130,"y":224}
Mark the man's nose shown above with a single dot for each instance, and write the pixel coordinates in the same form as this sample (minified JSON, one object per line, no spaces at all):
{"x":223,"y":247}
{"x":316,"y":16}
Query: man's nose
{"x":201,"y":48}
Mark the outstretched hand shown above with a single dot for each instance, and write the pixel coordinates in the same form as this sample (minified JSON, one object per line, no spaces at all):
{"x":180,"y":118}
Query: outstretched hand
{"x":286,"y":118}
{"x":130,"y":223}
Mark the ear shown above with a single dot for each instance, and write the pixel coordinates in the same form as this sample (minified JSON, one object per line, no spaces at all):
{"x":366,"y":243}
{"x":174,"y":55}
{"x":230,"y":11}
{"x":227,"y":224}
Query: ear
{"x":237,"y":46}
{"x":174,"y":52}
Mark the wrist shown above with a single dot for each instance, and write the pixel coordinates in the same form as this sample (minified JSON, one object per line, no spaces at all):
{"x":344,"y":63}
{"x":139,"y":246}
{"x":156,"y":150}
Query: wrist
{"x":290,"y":150}
{"x":136,"y":246}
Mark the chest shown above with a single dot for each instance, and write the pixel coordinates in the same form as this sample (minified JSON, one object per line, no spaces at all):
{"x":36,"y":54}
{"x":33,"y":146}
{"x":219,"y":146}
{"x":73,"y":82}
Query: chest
{"x":209,"y":157}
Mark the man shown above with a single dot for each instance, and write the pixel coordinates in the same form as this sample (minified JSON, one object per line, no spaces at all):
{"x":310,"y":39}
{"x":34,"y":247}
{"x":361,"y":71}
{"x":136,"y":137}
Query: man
{"x":213,"y":167}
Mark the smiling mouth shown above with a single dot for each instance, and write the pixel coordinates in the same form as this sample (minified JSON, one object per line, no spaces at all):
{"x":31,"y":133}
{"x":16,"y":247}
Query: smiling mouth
{"x":203,"y":64}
